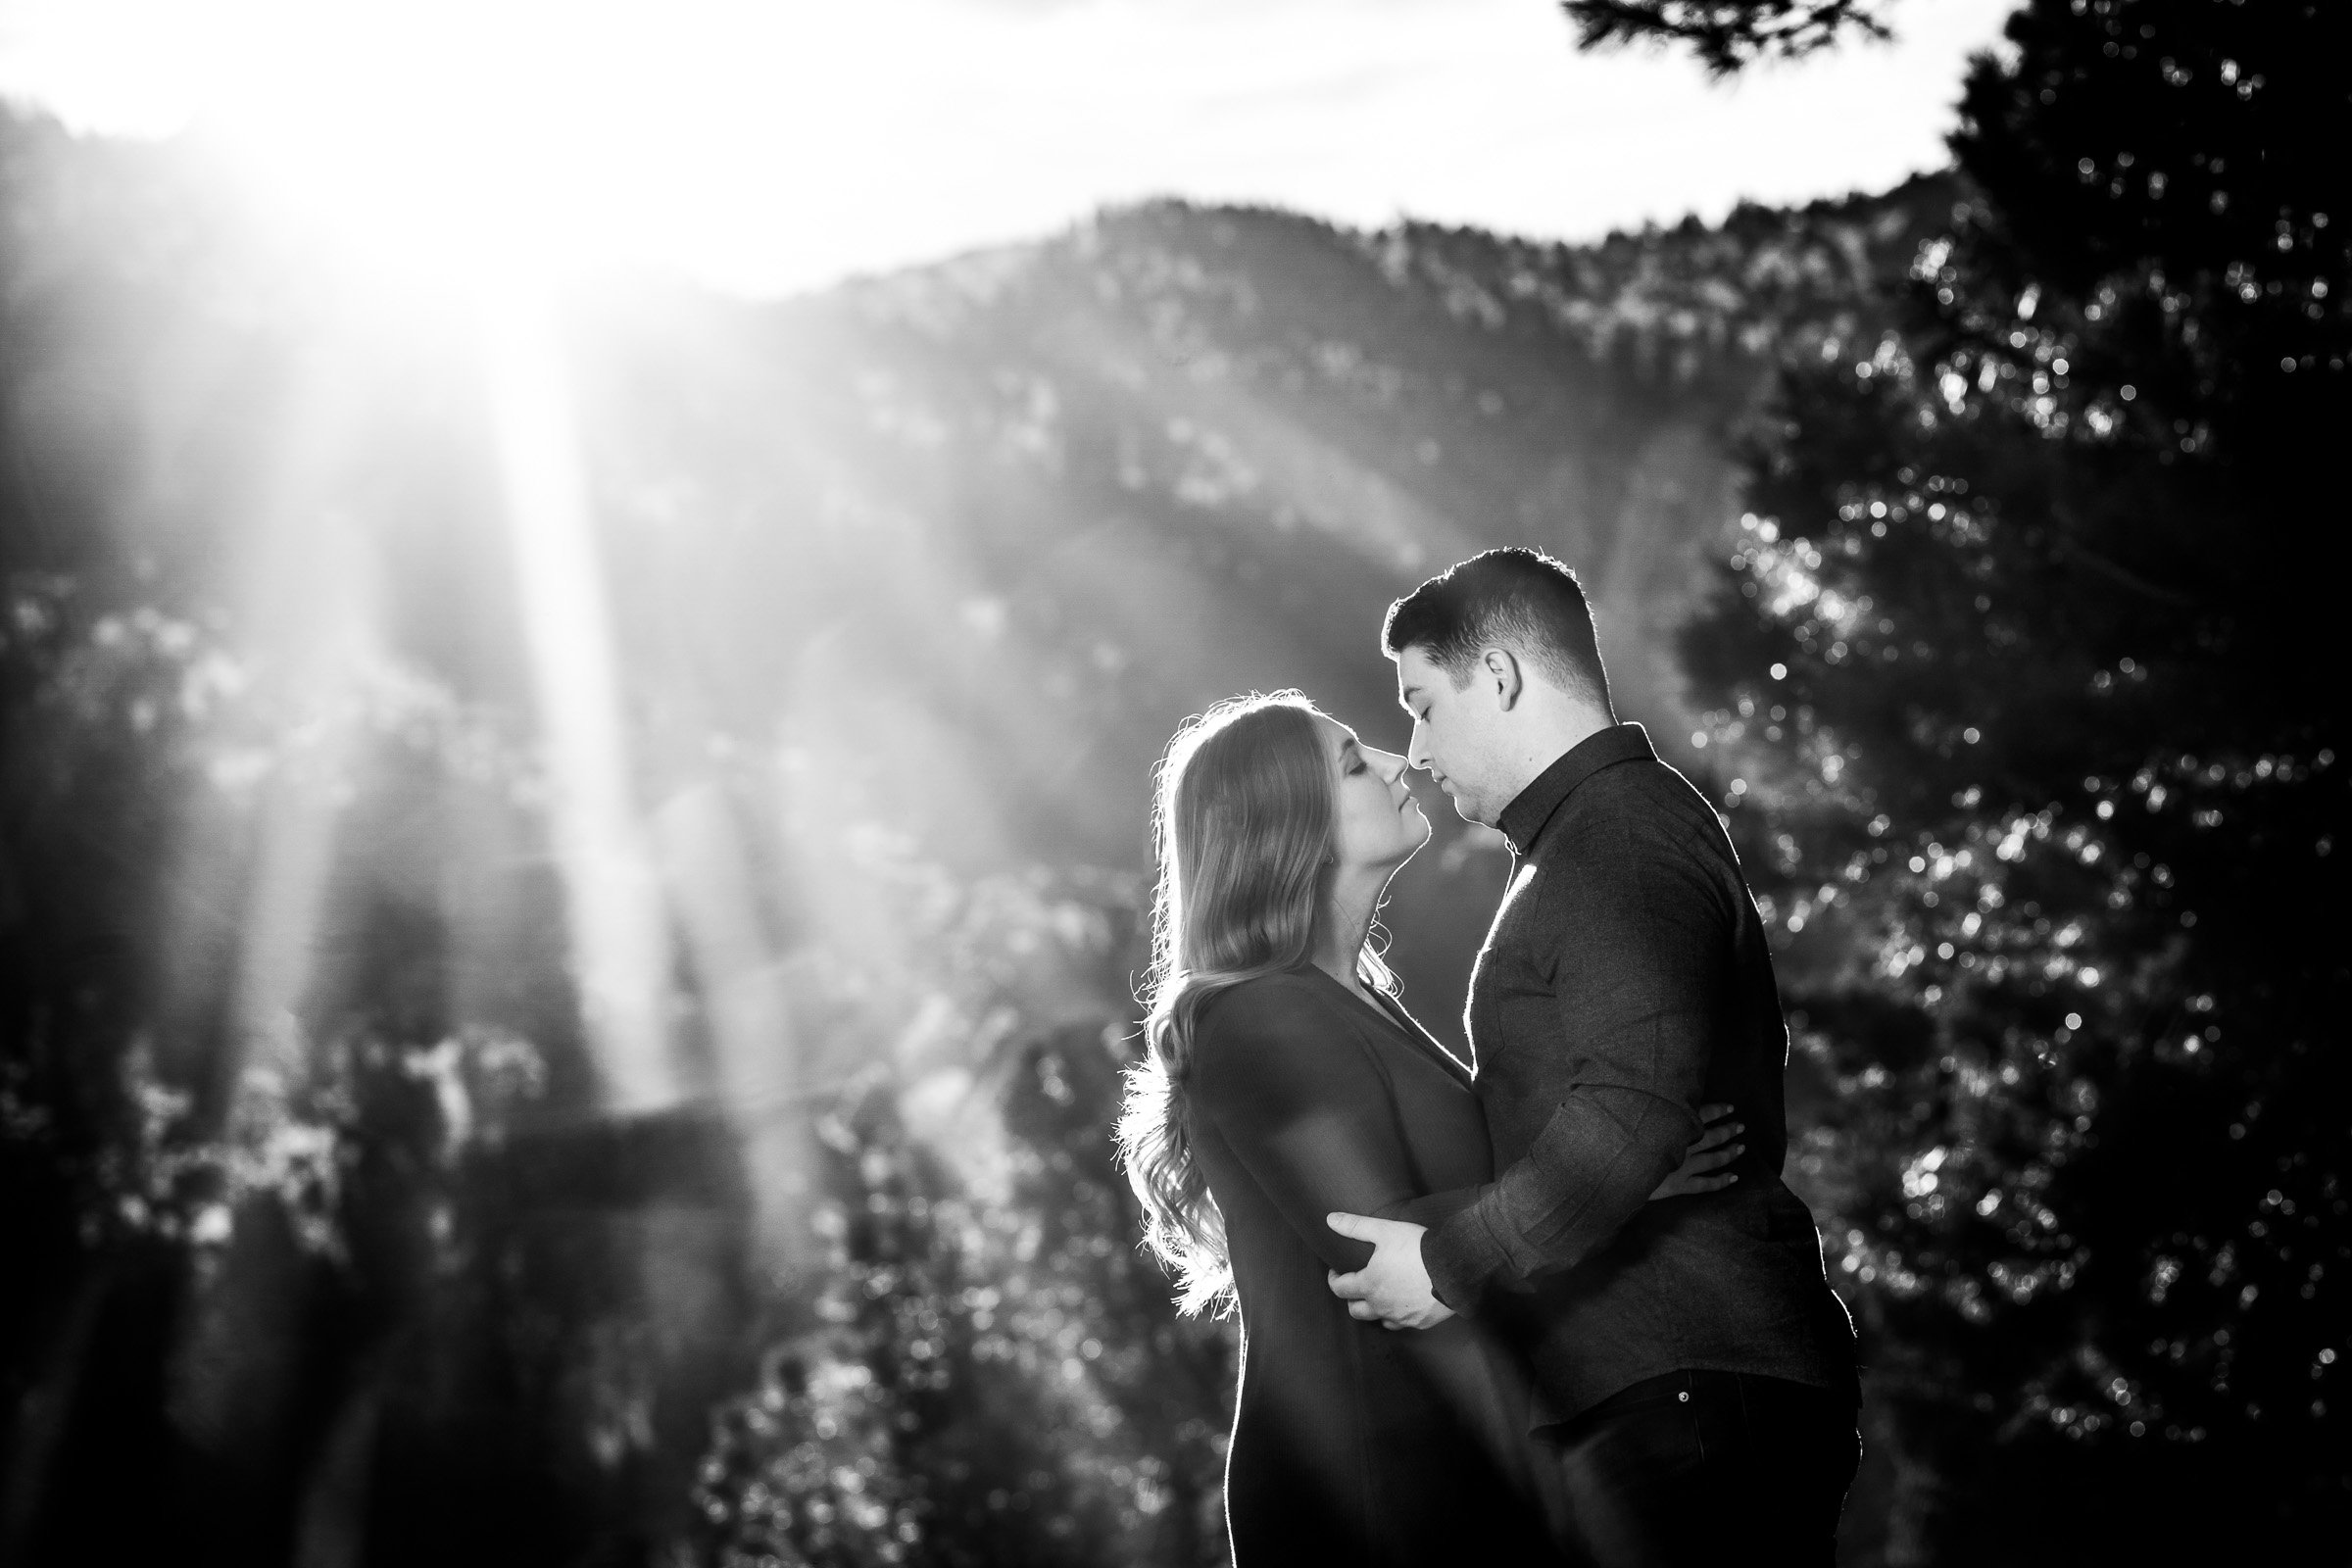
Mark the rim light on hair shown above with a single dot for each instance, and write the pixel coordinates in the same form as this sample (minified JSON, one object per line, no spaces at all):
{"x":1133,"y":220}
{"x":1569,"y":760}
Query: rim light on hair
{"x":1242,"y":832}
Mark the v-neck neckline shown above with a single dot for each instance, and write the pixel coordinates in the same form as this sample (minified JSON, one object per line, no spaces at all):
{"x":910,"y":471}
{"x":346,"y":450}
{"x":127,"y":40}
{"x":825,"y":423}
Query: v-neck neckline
{"x":1415,"y":1036}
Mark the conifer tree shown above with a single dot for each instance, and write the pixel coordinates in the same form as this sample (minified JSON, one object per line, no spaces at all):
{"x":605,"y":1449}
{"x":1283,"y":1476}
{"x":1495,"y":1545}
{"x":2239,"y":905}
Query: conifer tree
{"x":2020,"y":701}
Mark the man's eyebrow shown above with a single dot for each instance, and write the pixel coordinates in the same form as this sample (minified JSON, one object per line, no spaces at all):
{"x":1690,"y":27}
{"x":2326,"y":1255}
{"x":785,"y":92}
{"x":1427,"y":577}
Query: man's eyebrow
{"x":1406,"y":695}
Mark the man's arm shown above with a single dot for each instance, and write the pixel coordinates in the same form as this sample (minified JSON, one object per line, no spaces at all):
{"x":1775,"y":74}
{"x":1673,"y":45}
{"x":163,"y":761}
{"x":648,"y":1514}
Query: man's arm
{"x":1395,"y":1285}
{"x":1701,"y":1170}
{"x":1640,"y":942}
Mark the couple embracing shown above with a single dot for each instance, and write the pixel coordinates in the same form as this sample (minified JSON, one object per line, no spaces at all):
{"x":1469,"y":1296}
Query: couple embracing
{"x":1552,"y":1306}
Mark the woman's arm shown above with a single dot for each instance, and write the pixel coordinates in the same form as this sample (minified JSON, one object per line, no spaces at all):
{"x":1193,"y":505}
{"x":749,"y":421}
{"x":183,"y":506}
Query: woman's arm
{"x":1297,"y":1095}
{"x":1711,"y":1151}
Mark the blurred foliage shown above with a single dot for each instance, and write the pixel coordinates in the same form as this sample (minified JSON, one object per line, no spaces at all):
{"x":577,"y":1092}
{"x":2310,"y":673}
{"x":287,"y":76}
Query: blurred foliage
{"x":999,"y":1376}
{"x":2016,"y":696}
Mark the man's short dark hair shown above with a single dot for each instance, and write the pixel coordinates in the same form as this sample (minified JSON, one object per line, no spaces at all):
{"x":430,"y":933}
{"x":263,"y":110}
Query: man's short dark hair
{"x":1522,"y":599}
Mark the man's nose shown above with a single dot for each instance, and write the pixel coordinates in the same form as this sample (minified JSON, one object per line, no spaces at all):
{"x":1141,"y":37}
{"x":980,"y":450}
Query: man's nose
{"x":1416,"y":750}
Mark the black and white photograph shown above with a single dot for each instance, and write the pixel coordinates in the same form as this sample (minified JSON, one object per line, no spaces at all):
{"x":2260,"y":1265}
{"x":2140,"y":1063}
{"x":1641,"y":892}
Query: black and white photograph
{"x":1175,"y":783}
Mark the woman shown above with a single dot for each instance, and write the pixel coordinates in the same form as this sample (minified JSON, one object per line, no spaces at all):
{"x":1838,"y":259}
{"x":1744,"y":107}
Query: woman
{"x":1283,"y":1082}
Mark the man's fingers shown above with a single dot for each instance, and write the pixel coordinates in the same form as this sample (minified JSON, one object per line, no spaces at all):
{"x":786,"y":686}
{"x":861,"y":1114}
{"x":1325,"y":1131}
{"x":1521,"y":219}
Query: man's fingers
{"x":1356,"y":1227}
{"x":1361,"y":1311}
{"x":1705,"y":1161}
{"x":1350,"y":1287}
{"x":1714,"y":1113}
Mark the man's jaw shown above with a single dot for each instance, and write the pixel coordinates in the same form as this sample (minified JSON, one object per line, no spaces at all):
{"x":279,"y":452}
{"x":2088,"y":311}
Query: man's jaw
{"x":1463,"y":806}
{"x":1466,"y":807}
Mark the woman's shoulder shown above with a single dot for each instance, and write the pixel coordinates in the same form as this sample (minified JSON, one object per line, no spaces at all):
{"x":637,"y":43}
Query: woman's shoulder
{"x":1273,"y":1024}
{"x":1262,"y":1003}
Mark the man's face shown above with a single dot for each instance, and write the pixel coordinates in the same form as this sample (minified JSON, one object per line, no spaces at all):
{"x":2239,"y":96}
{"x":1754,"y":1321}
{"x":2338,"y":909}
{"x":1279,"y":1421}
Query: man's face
{"x":1457,"y":735}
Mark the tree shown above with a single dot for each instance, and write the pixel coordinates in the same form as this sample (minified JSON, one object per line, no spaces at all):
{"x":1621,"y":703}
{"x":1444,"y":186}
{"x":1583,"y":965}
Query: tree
{"x":2009,"y":679}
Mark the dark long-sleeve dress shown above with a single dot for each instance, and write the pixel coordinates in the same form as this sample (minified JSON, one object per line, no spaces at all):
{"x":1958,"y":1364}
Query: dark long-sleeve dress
{"x":1351,"y":1444}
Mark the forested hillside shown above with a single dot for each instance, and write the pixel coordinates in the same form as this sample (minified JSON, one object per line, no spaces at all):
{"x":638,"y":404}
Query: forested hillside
{"x":1049,"y":499}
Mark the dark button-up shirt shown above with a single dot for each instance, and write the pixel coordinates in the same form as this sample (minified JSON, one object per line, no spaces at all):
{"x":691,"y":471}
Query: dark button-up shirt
{"x":1624,"y":983}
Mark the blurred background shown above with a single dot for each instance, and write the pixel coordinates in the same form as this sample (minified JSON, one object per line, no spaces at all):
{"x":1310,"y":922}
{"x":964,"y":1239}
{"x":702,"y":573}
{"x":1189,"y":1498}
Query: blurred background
{"x":590,"y":594}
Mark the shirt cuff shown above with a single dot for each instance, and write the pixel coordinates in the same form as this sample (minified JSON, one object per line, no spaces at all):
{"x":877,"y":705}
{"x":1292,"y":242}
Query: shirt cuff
{"x":1461,"y":1257}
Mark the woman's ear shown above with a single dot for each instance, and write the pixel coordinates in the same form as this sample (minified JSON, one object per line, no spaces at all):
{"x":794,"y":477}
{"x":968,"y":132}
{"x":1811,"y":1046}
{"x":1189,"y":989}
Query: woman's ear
{"x":1499,"y":668}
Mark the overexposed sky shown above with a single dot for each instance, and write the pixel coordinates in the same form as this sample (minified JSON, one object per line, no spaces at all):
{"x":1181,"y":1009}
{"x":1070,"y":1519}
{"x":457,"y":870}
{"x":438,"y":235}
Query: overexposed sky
{"x":773,"y":146}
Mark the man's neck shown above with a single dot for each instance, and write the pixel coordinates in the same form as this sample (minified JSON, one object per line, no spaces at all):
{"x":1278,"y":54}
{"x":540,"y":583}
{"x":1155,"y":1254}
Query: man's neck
{"x":1552,"y":735}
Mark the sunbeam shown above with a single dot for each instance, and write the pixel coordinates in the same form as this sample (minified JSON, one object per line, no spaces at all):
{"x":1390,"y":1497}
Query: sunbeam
{"x":319,"y":630}
{"x":620,"y":946}
{"x":707,"y":867}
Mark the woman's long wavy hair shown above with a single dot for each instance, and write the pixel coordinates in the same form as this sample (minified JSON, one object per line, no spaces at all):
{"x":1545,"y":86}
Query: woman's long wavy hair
{"x":1241,"y":823}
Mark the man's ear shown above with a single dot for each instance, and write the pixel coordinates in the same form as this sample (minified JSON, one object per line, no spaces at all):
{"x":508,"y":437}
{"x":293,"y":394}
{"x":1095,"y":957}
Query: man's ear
{"x":1499,"y":667}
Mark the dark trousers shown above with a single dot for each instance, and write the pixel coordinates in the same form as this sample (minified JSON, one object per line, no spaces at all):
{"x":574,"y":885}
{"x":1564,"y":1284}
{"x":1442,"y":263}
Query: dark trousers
{"x":1703,"y":1468}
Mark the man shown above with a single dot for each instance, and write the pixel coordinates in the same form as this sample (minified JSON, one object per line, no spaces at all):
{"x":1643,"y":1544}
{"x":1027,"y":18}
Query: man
{"x":1694,"y":1375}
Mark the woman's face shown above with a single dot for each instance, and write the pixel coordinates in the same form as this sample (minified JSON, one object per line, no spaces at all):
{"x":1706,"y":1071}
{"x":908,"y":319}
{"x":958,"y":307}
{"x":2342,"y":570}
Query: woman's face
{"x":1376,"y":821}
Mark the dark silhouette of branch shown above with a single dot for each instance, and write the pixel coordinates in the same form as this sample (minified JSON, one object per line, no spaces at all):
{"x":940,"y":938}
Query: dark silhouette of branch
{"x":1726,"y":35}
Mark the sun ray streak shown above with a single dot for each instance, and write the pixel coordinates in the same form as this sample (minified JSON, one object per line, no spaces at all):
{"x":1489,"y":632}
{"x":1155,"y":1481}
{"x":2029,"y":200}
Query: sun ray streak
{"x":708,"y":862}
{"x":314,"y":613}
{"x":618,"y":941}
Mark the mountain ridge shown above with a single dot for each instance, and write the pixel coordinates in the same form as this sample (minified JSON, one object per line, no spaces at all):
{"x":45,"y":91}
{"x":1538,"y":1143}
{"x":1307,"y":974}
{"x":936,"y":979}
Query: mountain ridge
{"x":975,"y":535}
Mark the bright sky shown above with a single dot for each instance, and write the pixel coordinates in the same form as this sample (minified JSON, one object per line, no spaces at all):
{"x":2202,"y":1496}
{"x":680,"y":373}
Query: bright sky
{"x":774,"y":146}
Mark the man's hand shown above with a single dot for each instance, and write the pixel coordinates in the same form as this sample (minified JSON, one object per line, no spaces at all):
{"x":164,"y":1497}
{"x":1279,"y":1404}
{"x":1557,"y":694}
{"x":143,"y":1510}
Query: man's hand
{"x":1394,"y":1286}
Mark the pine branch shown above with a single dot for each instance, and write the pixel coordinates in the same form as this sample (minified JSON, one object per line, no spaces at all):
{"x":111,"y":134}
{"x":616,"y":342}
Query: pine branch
{"x":1726,"y":35}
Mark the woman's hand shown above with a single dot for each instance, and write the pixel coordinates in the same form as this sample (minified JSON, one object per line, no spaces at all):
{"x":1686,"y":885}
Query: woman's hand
{"x":1708,"y":1153}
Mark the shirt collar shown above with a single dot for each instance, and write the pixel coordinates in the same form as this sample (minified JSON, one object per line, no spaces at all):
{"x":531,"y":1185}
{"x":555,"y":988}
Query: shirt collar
{"x":1533,"y":806}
